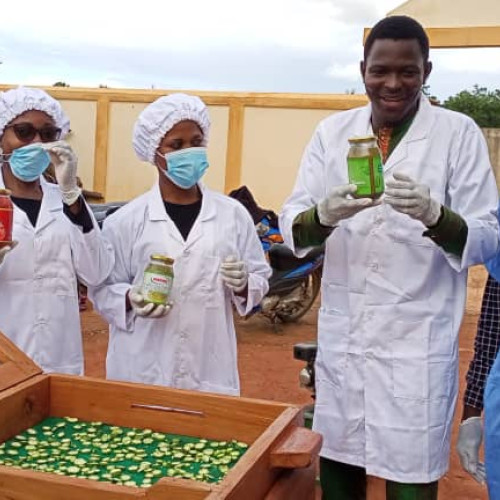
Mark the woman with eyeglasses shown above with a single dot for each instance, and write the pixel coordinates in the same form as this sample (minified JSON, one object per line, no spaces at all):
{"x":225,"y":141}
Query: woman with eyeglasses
{"x":56,"y":239}
{"x":218,"y":262}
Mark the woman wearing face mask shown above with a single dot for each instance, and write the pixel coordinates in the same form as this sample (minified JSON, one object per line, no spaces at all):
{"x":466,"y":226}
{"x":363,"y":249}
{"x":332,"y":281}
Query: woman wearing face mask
{"x":56,"y":238}
{"x":218,"y":261}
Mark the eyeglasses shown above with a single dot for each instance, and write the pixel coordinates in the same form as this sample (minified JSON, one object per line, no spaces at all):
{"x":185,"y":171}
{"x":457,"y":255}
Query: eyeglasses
{"x":26,"y":132}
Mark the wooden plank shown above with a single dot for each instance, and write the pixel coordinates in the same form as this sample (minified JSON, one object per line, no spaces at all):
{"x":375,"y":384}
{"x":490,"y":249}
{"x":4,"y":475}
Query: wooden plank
{"x":101,"y":145}
{"x":17,"y":484}
{"x":332,"y":102}
{"x":15,"y":366}
{"x":201,"y":414}
{"x":92,"y":196}
{"x":252,"y":477}
{"x":178,"y":488}
{"x":23,"y":406}
{"x":234,"y":153}
{"x":246,"y":99}
{"x":459,"y":36}
{"x":298,"y":449}
{"x":474,"y":36}
{"x":298,"y":484}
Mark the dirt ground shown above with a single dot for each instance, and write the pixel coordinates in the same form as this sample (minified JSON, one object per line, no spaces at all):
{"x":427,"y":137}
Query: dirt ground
{"x":269,"y":371}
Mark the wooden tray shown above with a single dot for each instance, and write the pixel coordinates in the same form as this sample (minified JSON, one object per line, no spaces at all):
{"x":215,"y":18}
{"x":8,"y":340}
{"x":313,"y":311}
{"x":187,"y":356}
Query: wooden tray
{"x":279,"y":465}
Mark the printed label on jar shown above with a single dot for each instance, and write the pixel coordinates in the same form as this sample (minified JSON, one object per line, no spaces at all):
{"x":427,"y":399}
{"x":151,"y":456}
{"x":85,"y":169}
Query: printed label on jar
{"x":6,"y":216}
{"x":361,"y":174}
{"x":156,"y":288}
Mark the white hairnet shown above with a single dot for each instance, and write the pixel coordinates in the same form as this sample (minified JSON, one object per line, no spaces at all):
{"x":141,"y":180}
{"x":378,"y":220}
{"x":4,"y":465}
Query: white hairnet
{"x":15,"y":102}
{"x":161,"y":116}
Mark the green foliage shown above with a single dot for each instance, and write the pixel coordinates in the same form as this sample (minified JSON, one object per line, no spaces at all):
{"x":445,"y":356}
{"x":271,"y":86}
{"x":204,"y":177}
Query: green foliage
{"x":480,"y":104}
{"x":60,"y":84}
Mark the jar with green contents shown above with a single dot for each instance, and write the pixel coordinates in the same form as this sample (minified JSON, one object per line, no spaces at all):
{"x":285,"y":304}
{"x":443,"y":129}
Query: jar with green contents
{"x":158,"y":279}
{"x":365,"y":167}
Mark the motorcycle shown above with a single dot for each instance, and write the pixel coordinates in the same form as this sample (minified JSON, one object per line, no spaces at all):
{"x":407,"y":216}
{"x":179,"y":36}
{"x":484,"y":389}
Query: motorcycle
{"x":306,"y":351}
{"x":103,"y":210}
{"x":295,"y":282}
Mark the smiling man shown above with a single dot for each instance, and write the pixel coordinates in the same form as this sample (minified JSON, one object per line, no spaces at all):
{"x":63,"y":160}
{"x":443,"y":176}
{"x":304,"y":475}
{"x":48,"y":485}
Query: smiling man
{"x":395,"y":272}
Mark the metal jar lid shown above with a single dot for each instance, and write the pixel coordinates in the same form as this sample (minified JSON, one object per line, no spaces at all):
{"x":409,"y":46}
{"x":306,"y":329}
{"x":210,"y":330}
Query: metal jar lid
{"x":361,"y":139}
{"x":162,"y":258}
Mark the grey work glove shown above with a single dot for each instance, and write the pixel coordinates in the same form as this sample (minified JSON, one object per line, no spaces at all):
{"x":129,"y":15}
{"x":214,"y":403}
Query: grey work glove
{"x":470,"y":436}
{"x":146,"y":309}
{"x":5,"y":250}
{"x":337,"y":206}
{"x":65,"y":163}
{"x":413,"y":199}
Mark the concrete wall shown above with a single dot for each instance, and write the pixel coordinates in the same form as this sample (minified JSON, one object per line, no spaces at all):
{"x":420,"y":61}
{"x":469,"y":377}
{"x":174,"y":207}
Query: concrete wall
{"x":255,"y":139}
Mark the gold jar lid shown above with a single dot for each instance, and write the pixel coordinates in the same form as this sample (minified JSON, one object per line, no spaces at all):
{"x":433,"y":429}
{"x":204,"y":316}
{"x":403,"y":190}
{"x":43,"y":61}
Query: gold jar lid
{"x":162,"y":258}
{"x":361,"y":139}
{"x":5,"y":192}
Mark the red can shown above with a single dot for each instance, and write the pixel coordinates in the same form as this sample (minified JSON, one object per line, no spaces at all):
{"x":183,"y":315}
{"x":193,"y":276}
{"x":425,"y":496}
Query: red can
{"x":6,"y":217}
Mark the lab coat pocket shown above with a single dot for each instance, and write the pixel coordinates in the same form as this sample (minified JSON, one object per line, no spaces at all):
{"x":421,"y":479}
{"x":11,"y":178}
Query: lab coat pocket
{"x":422,"y":359}
{"x":211,"y":282}
{"x":409,"y":359}
{"x":335,"y":298}
{"x":442,"y":363}
{"x":65,"y":285}
{"x":333,"y":341}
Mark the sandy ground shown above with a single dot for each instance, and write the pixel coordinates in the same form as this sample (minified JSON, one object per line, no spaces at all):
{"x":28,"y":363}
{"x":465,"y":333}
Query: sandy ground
{"x":269,"y":371}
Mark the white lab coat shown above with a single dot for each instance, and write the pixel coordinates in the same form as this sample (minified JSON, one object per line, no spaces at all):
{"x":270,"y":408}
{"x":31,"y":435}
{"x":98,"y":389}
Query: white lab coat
{"x":194,"y":346}
{"x":391,"y":300}
{"x":39,"y":308}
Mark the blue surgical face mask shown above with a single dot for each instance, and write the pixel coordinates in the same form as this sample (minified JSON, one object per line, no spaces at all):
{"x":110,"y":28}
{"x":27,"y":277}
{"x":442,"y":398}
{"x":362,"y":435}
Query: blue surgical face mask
{"x":29,"y":162}
{"x":186,"y":166}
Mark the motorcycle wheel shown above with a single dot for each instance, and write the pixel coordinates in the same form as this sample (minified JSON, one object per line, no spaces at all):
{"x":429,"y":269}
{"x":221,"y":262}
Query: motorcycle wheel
{"x":310,"y":290}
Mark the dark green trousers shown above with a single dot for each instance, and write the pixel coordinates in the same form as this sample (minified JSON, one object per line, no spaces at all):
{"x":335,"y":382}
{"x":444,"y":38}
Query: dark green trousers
{"x":347,"y":482}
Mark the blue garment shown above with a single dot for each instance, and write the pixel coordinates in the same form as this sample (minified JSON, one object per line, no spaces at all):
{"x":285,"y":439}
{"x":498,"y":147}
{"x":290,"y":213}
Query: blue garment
{"x":493,"y":265}
{"x":492,"y":430}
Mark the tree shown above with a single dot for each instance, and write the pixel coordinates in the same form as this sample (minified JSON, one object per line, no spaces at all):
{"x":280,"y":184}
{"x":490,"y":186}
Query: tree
{"x":60,"y":84}
{"x":481,"y":104}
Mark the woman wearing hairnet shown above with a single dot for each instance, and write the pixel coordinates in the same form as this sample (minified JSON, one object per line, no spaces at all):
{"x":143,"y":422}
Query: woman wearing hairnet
{"x":218,"y":261}
{"x":56,"y":238}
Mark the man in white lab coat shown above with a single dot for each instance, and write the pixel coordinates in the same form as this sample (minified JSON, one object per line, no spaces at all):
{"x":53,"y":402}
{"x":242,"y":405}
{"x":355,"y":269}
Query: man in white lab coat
{"x":218,"y":262}
{"x":395,"y":274}
{"x":57,"y":240}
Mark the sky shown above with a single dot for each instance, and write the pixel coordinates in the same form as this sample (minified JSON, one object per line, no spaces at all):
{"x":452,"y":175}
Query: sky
{"x":306,"y":46}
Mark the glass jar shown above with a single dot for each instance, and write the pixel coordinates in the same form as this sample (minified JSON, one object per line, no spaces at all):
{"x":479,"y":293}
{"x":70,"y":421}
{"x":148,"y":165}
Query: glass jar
{"x":365,"y":169}
{"x":158,"y":279}
{"x":6,"y":217}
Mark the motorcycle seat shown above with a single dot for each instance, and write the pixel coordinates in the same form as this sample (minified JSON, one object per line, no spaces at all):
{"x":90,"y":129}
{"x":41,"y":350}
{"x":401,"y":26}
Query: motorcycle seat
{"x":282,"y":258}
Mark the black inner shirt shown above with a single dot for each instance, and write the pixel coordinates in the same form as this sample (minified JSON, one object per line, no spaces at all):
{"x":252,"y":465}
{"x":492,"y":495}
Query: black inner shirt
{"x":184,"y":216}
{"x":30,"y":207}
